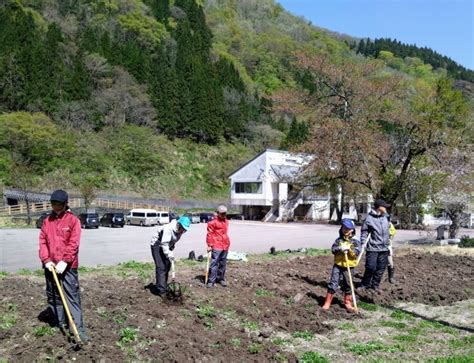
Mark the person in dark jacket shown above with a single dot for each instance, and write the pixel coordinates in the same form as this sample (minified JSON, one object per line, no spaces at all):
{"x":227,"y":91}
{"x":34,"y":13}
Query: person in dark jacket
{"x":376,"y":228}
{"x":218,"y":243}
{"x":59,"y":249}
{"x":345,"y":244}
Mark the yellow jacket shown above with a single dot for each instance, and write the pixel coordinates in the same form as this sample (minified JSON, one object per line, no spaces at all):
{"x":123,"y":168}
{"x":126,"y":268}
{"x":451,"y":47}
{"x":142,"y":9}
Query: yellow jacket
{"x":391,"y":231}
{"x":339,"y":258}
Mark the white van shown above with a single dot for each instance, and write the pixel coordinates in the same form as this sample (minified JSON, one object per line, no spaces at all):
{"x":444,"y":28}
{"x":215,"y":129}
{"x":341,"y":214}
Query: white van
{"x":163,"y":217}
{"x":142,"y":217}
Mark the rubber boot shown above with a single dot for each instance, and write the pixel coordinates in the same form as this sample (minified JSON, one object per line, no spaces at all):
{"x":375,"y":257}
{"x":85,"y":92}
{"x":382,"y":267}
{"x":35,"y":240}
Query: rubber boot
{"x":348,"y":303}
{"x":391,"y":274}
{"x":328,"y":301}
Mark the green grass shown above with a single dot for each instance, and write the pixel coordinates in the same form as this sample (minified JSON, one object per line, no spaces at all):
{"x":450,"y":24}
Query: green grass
{"x":367,"y":306}
{"x":393,"y":324}
{"x":41,"y":331}
{"x":137,"y":266}
{"x":255,"y":348}
{"x":454,"y":359}
{"x":401,"y":315}
{"x":280,"y":341}
{"x":251,"y":325}
{"x":306,"y":335}
{"x":86,"y":269}
{"x":405,"y":338}
{"x":313,"y":357}
{"x":3,"y":274}
{"x":370,"y":347}
{"x":263,"y":293}
{"x":24,"y":272}
{"x":464,"y":342}
{"x":347,"y":326}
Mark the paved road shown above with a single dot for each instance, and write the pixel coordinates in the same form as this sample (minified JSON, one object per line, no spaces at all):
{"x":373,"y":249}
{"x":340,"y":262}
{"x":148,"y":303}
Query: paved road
{"x":106,"y":246}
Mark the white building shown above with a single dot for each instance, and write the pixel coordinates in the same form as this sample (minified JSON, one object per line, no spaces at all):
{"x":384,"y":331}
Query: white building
{"x":263,"y":188}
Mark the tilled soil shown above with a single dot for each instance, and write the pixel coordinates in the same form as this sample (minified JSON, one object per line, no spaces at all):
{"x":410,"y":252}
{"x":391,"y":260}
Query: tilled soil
{"x":236,"y":323}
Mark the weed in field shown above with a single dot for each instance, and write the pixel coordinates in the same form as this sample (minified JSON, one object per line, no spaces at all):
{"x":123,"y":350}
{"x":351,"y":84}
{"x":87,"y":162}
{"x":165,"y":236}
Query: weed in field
{"x":3,"y":274}
{"x":280,"y":341}
{"x":215,"y":345}
{"x":318,"y":252}
{"x":313,"y":357}
{"x":41,"y":331}
{"x":306,"y":335}
{"x":405,"y":338}
{"x":289,"y":301}
{"x":347,"y":326}
{"x":370,"y":347}
{"x":367,"y":306}
{"x":250,"y":325}
{"x":206,"y":311}
{"x":255,"y":348}
{"x":127,"y":335}
{"x":7,"y":321}
{"x":464,"y":342}
{"x":235,"y":342}
{"x":85,"y":269}
{"x":280,"y":357}
{"x":120,"y":318}
{"x":454,"y":359}
{"x":25,"y":272}
{"x":263,"y":292}
{"x":229,"y":314}
{"x":401,"y":315}
{"x":393,"y":324}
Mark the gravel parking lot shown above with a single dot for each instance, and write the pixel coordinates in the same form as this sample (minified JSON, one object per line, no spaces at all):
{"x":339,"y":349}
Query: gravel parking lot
{"x":106,"y":246}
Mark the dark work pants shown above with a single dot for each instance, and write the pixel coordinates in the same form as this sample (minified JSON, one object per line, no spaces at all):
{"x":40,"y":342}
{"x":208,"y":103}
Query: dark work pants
{"x":69,"y":280}
{"x":217,"y":266}
{"x":375,"y":265}
{"x":162,"y":268}
{"x":337,"y":273}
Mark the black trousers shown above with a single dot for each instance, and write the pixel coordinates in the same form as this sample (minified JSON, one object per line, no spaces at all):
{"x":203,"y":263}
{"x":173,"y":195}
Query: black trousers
{"x":375,"y":265}
{"x":162,"y":268}
{"x":336,"y":274}
{"x":217,"y":266}
{"x":69,"y":280}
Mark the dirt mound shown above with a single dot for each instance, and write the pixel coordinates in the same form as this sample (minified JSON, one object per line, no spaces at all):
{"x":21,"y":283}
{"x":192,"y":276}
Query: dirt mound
{"x":237,"y":323}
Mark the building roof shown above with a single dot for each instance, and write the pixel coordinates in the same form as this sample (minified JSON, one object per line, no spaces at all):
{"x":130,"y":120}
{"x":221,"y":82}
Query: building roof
{"x":255,"y":157}
{"x":284,"y":172}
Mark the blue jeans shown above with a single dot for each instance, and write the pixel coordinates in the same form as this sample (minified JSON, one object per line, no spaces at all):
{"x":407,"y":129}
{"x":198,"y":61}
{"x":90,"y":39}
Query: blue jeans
{"x":375,"y":265}
{"x":217,"y":266}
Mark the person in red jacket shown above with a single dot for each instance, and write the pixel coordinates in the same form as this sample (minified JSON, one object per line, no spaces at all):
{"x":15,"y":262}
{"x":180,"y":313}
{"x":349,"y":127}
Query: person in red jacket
{"x":58,"y":249}
{"x":218,"y":242}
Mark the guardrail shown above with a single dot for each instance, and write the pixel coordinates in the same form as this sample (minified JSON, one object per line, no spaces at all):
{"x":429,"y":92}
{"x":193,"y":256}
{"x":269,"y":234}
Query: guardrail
{"x":77,"y":203}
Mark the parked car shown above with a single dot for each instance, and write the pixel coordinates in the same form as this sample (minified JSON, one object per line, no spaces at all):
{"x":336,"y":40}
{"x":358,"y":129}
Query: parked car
{"x":89,"y":220}
{"x":112,"y":220}
{"x":206,"y":217}
{"x":142,"y":217}
{"x":236,"y":216}
{"x":194,"y":217}
{"x":40,"y":220}
{"x":163,"y":217}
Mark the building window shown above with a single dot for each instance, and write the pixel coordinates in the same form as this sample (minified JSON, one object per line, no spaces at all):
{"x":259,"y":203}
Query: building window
{"x":248,"y":188}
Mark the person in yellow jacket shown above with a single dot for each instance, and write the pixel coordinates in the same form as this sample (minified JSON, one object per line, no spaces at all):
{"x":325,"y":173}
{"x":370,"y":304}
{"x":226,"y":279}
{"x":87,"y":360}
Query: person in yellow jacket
{"x":345,"y":244}
{"x":390,"y":266}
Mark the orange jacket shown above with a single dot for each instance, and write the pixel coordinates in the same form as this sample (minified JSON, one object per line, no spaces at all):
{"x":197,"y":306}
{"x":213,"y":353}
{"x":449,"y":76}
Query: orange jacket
{"x":217,"y":237}
{"x":59,"y":239}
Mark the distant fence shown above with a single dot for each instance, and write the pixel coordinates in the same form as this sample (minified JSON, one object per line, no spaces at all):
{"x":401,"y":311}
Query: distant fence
{"x":77,"y":203}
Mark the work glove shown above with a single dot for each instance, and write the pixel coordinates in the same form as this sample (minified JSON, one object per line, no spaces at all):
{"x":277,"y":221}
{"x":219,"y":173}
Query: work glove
{"x":49,"y":266}
{"x":345,"y":248}
{"x":171,"y":258}
{"x":61,"y":267}
{"x":390,"y":251}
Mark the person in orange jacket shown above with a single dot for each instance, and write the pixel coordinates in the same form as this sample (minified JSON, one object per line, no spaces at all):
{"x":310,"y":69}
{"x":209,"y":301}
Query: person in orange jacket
{"x":218,"y":244}
{"x":345,"y":244}
{"x":58,"y":249}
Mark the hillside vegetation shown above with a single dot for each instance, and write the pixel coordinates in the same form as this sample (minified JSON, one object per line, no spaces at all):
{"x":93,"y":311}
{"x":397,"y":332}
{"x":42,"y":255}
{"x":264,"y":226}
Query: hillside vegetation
{"x":158,"y":97}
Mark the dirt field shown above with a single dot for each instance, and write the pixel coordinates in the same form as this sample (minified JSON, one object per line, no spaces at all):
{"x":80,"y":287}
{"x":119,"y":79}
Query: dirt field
{"x":270,"y":311}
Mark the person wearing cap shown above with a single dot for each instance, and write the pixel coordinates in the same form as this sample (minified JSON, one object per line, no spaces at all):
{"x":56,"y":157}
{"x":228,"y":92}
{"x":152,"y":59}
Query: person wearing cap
{"x":162,"y":246}
{"x":218,"y":244}
{"x":346,"y":243}
{"x":375,"y":233}
{"x":58,"y":249}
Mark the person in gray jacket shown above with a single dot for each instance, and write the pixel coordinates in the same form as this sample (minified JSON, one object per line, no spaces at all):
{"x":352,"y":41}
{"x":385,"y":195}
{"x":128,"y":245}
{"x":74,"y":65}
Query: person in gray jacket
{"x":377,"y":246}
{"x":162,"y":246}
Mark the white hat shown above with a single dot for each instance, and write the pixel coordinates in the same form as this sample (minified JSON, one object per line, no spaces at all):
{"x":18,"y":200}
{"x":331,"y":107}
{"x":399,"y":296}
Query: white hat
{"x":222,"y":209}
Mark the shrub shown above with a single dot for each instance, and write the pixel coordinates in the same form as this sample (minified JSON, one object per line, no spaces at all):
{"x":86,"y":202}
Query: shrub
{"x":466,"y":242}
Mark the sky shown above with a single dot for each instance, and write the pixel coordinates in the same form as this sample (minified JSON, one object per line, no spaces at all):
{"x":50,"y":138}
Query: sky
{"x":445,"y":26}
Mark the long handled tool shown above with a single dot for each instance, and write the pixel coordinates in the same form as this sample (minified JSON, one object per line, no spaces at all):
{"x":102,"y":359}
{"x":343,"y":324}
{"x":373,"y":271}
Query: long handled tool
{"x":206,"y":276}
{"x":352,"y":285}
{"x":66,"y":308}
{"x":175,"y":292}
{"x":364,"y":246}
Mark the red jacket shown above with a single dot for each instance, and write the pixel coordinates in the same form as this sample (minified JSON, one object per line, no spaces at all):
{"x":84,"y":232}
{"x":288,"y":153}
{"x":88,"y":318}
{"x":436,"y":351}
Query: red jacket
{"x":59,"y":239}
{"x":217,"y":237}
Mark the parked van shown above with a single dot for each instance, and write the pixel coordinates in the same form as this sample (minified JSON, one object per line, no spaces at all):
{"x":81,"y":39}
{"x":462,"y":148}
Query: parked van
{"x":142,"y":217}
{"x":163,"y":217}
